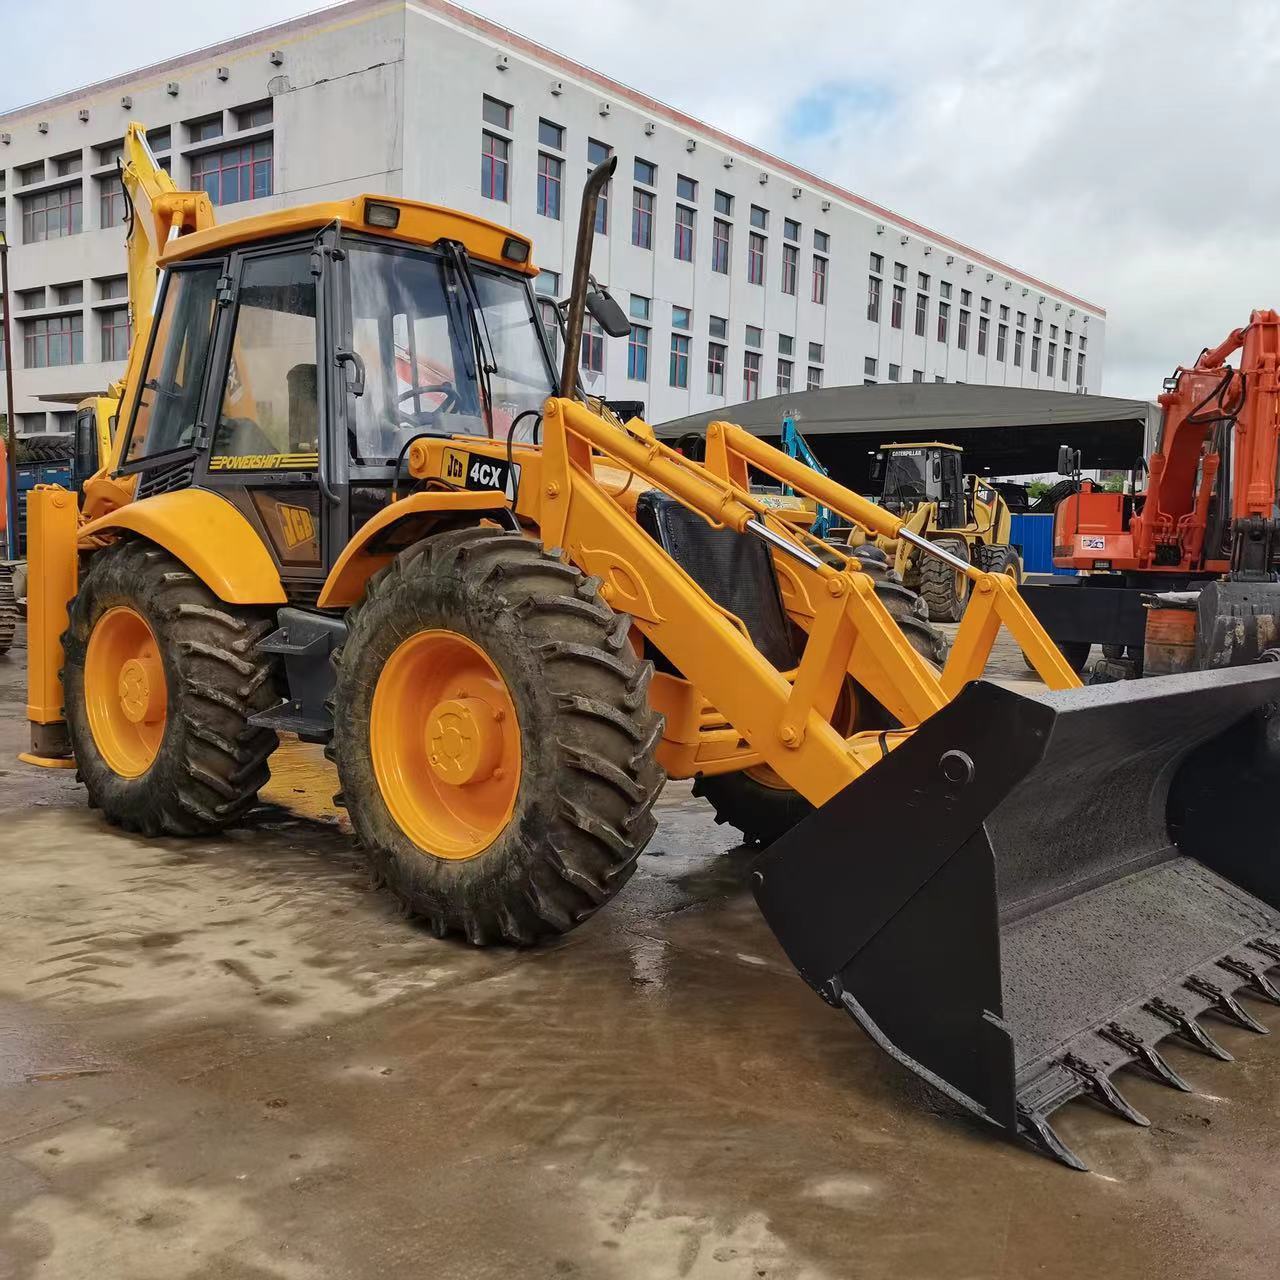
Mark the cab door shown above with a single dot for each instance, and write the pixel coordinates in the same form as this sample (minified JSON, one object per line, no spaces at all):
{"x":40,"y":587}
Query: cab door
{"x":268,"y":409}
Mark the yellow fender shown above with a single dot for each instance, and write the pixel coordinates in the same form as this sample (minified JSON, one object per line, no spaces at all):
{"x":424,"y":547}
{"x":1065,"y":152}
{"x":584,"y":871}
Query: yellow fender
{"x":208,"y":535}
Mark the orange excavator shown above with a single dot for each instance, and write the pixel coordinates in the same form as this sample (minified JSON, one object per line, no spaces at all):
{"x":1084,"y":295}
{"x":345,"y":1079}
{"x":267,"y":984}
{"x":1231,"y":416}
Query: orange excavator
{"x":1203,"y":537}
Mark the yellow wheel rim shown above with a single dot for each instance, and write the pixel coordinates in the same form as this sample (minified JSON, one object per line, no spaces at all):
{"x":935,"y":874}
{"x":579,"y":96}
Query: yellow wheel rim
{"x":445,"y":743}
{"x":125,"y":692}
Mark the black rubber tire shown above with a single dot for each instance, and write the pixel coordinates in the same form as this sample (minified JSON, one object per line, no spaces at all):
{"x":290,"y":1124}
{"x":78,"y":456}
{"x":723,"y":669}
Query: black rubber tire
{"x":995,"y":559}
{"x":8,"y":609}
{"x":212,"y":762}
{"x":1076,"y":652}
{"x":589,"y":774}
{"x":763,"y":812}
{"x":940,"y":584}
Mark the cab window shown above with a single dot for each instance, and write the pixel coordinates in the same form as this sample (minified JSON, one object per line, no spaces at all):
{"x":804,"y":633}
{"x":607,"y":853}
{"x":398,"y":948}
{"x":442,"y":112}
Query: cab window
{"x":169,"y":401}
{"x":270,"y":413}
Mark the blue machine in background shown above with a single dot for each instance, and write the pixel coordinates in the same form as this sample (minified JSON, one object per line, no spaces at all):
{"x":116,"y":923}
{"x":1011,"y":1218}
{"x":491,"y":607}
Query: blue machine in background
{"x":794,"y":445}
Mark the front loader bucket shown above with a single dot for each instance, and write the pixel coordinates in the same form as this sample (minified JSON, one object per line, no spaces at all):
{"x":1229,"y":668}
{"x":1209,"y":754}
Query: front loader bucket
{"x":1032,"y":892}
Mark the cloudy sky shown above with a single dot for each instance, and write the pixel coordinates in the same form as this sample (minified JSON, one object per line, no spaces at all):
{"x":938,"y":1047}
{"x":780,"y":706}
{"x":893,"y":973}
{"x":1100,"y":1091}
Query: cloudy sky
{"x":1120,"y":150}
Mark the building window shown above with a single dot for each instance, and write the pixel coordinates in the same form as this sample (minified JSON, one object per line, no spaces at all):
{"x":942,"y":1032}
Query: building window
{"x":1002,"y":341}
{"x":896,"y":306}
{"x":759,"y":217}
{"x":550,"y":316}
{"x":243,"y":172}
{"x":815,"y":352}
{"x":205,"y":130}
{"x":68,"y":295}
{"x":496,"y":113}
{"x":922,"y":313}
{"x":495,"y":153}
{"x":52,"y":215}
{"x":645,"y":172}
{"x":922,"y":282}
{"x":158,"y":139}
{"x":1017,"y":348}
{"x":715,"y":369}
{"x":944,"y":320}
{"x":65,"y":166}
{"x":790,"y":264}
{"x":1080,"y":369}
{"x":1083,"y":340}
{"x":679,"y":372}
{"x":1035,"y":355}
{"x":547,"y":282}
{"x":55,"y":340}
{"x":640,"y":307}
{"x":819,"y":280}
{"x":638,"y":354}
{"x":550,"y":175}
{"x":784,"y":376}
{"x":984,"y":306}
{"x":113,"y":287}
{"x":684,"y":233}
{"x":30,"y":173}
{"x":1048,"y":364}
{"x":31,"y":299}
{"x":254,"y":117}
{"x":1053,"y":331}
{"x":686,"y":189}
{"x":1066,"y":363}
{"x":786,"y":344}
{"x":754,"y":336}
{"x":592,"y":345}
{"x":1036,"y":325}
{"x":790,"y":229}
{"x":900,"y":272}
{"x":962,"y":331}
{"x":1022,"y":319}
{"x":815,"y":378}
{"x":724,"y":203}
{"x":116,"y":333}
{"x":751,"y":375}
{"x":551,"y":135}
{"x":873,"y":298}
{"x":680,"y":317}
{"x":720,"y":246}
{"x":821,"y":241}
{"x":1004,"y":313}
{"x":719,"y":327}
{"x":895,"y":372}
{"x":983,"y":324}
{"x":877,"y":263}
{"x":597,"y":154}
{"x":917,"y":375}
{"x":966,"y":297}
{"x":642,"y":218}
{"x":111,"y":206}
{"x":869,"y":364}
{"x":944,"y":288}
{"x":755,"y":258}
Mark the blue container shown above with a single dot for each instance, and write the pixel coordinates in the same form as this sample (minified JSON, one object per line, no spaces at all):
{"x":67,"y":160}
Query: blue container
{"x":1033,"y":536}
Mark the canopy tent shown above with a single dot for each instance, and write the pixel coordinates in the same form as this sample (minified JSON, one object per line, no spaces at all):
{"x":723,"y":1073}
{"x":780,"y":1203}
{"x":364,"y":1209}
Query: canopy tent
{"x":1004,"y":431}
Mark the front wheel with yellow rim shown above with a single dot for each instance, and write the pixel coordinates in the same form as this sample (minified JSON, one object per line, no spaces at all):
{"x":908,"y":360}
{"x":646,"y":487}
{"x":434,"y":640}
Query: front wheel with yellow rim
{"x":161,"y":679}
{"x":493,"y":737}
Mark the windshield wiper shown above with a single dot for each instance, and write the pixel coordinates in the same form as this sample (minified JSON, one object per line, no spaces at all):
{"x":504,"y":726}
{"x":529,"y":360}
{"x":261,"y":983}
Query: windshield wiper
{"x":481,"y":343}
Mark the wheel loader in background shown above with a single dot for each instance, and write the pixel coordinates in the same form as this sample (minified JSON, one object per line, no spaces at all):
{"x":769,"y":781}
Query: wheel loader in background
{"x":925,"y":485}
{"x":509,"y":618}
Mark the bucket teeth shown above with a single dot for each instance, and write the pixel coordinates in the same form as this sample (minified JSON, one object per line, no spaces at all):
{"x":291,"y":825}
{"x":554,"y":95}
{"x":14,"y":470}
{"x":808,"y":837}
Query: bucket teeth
{"x":1147,"y":1054}
{"x":1224,"y":1003}
{"x":1268,"y":948}
{"x":1038,"y":1131}
{"x":1255,"y":978}
{"x":1103,"y":1090}
{"x":1189,"y":1028}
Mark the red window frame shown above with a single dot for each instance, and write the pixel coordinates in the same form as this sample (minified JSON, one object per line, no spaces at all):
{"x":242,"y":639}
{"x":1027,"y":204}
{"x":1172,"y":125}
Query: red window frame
{"x":52,"y":215}
{"x":715,"y":368}
{"x":678,"y":373}
{"x":52,"y":336}
{"x":873,"y":299}
{"x":790,"y":267}
{"x":642,"y":219}
{"x":820,"y":280}
{"x":750,"y":375}
{"x":755,"y":258}
{"x":229,"y":175}
{"x":550,"y":185}
{"x":720,"y":245}
{"x":495,"y":161}
{"x":684,"y":225}
{"x":116,"y":333}
{"x":897,"y":306}
{"x":592,"y":346}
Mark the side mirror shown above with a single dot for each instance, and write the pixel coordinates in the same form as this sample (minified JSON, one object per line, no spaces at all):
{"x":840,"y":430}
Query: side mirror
{"x":607,"y":314}
{"x":937,"y":468}
{"x":1068,"y":460}
{"x":877,"y":468}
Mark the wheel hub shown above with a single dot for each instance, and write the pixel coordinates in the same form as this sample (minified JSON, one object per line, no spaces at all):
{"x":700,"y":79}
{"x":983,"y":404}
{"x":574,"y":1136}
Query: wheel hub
{"x":140,"y":681}
{"x":464,"y":740}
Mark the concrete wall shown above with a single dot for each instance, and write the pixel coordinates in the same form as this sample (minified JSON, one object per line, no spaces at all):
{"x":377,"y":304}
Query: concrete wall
{"x":389,"y":97}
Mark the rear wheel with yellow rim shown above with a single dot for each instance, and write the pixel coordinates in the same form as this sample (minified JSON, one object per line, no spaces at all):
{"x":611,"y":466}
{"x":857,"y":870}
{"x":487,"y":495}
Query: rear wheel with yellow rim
{"x":161,"y":678}
{"x":493,"y":737}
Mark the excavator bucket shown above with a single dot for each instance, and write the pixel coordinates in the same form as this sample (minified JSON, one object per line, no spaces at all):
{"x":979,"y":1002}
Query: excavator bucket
{"x":1032,"y":892}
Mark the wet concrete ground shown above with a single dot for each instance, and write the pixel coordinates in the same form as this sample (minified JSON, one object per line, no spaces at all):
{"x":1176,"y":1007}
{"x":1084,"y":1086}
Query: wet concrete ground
{"x":232,"y":1058}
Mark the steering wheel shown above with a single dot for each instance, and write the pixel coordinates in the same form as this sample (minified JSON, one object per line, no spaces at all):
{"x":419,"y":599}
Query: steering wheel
{"x":427,"y":417}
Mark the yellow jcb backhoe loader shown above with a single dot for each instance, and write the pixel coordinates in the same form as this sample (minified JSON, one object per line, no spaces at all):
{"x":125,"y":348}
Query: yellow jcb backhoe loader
{"x":508,"y":618}
{"x":925,"y":485}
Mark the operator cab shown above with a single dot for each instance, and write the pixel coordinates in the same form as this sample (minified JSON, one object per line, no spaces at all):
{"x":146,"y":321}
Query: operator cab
{"x":296,"y":356}
{"x":912,"y":474}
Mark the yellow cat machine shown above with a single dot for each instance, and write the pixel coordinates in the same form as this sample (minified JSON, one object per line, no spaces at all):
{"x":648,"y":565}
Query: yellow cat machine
{"x":925,"y":485}
{"x":510,"y":618}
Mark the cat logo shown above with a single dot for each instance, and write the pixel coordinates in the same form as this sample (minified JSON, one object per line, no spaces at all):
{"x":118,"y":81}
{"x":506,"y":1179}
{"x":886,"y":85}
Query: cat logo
{"x":296,"y":525}
{"x":454,"y":465}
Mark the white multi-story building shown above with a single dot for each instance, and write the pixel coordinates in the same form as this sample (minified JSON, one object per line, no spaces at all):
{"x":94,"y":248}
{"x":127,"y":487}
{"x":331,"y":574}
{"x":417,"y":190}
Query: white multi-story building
{"x":744,"y":275}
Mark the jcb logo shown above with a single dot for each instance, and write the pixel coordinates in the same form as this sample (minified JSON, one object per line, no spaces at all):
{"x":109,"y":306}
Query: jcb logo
{"x":296,"y":525}
{"x":455,"y":464}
